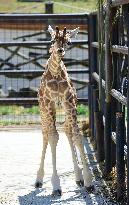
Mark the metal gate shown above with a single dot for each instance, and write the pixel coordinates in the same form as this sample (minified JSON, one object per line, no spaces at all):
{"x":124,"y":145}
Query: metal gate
{"x":24,"y":48}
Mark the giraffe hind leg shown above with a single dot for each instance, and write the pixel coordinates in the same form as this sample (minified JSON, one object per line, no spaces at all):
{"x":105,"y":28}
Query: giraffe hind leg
{"x":89,"y":187}
{"x":53,"y":140}
{"x":40,"y":173}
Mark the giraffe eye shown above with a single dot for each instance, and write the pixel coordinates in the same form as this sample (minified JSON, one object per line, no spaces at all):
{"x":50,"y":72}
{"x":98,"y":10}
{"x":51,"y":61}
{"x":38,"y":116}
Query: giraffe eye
{"x":69,"y":43}
{"x":52,"y":41}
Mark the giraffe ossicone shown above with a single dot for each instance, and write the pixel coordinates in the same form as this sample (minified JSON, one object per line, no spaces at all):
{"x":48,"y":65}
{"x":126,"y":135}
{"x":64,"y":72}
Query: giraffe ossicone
{"x":56,"y":87}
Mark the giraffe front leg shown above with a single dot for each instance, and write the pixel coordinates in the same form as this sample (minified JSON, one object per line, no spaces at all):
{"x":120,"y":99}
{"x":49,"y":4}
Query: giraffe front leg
{"x":53,"y":140}
{"x":40,"y":173}
{"x":77,"y":139}
{"x":86,"y":172}
{"x":77,"y":169}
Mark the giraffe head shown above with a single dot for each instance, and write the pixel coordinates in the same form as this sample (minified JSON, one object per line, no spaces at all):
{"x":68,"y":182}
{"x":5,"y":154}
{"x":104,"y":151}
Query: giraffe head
{"x":61,"y":39}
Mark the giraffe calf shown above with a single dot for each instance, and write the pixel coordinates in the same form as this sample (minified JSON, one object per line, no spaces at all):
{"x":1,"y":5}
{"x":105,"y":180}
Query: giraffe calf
{"x":56,"y":87}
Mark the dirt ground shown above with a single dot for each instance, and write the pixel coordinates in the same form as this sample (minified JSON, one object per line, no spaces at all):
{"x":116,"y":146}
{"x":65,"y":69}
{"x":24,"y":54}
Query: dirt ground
{"x":19,"y":160}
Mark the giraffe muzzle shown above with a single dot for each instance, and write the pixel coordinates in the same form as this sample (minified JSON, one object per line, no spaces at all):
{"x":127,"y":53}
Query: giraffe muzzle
{"x":61,"y":51}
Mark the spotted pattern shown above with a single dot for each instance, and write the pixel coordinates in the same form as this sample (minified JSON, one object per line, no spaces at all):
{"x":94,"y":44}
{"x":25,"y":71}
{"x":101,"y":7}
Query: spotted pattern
{"x":56,"y":88}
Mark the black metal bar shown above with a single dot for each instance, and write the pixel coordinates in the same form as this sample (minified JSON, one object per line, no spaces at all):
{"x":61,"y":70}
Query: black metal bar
{"x":98,"y":118}
{"x":107,"y":139}
{"x":39,"y":72}
{"x":108,"y":81}
{"x":43,"y":16}
{"x":10,"y":57}
{"x":18,"y":101}
{"x":114,"y":40}
{"x":120,"y":164}
{"x":30,"y":101}
{"x":92,"y":36}
{"x":115,"y":33}
{"x":37,"y":43}
{"x":128,"y":143}
{"x":128,"y":113}
{"x":114,"y":140}
{"x":113,"y":128}
{"x":49,"y":7}
{"x":100,"y":50}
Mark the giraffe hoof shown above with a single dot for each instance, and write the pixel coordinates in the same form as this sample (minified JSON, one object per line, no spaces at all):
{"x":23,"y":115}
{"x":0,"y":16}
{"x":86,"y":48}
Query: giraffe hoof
{"x":38,"y":185}
{"x":90,"y":189}
{"x":80,"y":183}
{"x":57,"y":192}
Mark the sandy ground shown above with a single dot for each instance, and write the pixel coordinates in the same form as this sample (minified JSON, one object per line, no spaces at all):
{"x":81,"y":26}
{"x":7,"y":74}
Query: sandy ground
{"x":20,"y":153}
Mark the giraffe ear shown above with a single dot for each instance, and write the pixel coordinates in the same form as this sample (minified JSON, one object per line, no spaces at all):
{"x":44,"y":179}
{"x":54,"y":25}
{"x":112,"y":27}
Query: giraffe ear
{"x":50,"y":30}
{"x":74,"y":33}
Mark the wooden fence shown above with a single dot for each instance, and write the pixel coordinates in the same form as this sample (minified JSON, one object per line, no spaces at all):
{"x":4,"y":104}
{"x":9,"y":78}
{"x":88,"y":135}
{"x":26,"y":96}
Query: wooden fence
{"x":109,"y":90}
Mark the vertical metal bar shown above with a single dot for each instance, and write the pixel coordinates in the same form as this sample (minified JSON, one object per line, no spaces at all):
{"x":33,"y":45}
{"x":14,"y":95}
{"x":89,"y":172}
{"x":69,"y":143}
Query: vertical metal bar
{"x":98,"y":113}
{"x":108,"y":76}
{"x":92,"y":113}
{"x":128,"y":137}
{"x":98,"y":117}
{"x":92,"y":66}
{"x":49,"y":7}
{"x":120,"y":58}
{"x":89,"y":53}
{"x":126,"y":21}
{"x":128,"y":116}
{"x":114,"y":39}
{"x":120,"y":165}
{"x":100,"y":50}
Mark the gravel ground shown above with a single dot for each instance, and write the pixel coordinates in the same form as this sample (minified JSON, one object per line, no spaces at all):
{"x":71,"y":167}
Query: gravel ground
{"x":19,"y":160}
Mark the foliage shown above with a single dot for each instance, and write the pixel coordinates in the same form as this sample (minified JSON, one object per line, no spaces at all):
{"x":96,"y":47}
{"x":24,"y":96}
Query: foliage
{"x":60,"y":6}
{"x":32,"y":110}
{"x":19,"y":110}
{"x":82,"y":110}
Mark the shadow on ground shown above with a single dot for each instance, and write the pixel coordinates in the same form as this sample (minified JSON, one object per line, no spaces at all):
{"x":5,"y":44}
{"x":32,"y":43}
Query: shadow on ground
{"x":73,"y":197}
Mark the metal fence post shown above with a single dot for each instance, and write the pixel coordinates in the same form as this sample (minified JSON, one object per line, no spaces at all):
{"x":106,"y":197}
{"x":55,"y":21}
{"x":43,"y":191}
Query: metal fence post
{"x":108,"y":79}
{"x":128,"y":139}
{"x":98,"y":118}
{"x":120,"y":164}
{"x":128,"y":121}
{"x":92,"y":35}
{"x":49,"y":7}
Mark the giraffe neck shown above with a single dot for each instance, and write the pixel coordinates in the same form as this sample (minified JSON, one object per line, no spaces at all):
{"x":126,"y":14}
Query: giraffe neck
{"x":54,"y":64}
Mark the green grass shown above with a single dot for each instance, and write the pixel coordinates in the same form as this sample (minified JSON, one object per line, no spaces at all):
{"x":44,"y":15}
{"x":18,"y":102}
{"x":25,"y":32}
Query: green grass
{"x":33,"y":110}
{"x":14,"y":113}
{"x":13,"y":122}
{"x":60,"y":6}
{"x":20,"y":110}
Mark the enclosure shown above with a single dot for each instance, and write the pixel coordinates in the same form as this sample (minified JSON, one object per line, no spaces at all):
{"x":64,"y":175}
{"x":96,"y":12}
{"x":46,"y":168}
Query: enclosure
{"x":24,"y":46}
{"x":109,"y":91}
{"x":97,"y":62}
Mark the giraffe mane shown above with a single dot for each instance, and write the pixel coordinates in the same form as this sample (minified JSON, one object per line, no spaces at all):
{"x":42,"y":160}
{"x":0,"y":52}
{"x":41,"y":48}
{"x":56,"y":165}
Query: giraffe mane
{"x":64,"y":32}
{"x":57,"y":32}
